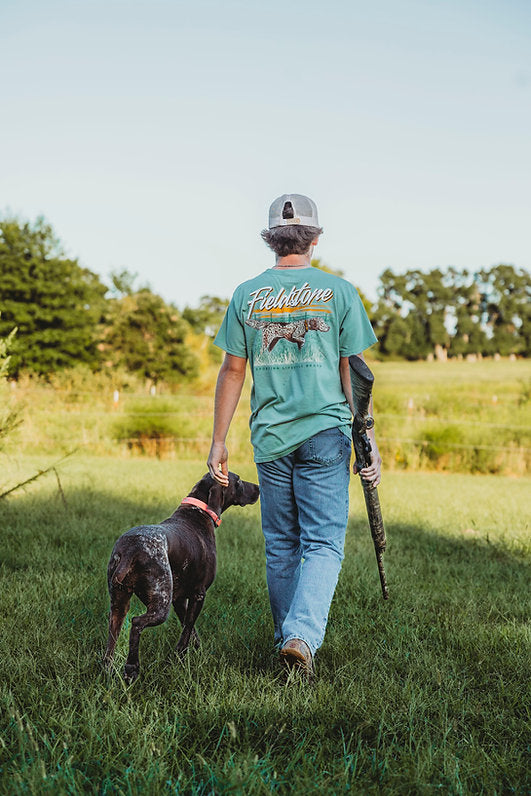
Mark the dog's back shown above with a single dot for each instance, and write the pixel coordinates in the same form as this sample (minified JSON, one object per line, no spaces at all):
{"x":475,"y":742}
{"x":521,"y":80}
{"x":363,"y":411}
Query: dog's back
{"x":136,"y":552}
{"x":146,"y":553}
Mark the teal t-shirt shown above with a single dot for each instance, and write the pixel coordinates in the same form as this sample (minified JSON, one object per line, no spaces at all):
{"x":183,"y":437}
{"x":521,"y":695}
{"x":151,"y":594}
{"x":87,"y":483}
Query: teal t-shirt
{"x":293,"y":326}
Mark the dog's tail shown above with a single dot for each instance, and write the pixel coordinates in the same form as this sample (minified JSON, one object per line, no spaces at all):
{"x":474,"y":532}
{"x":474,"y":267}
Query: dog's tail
{"x":119,"y":566}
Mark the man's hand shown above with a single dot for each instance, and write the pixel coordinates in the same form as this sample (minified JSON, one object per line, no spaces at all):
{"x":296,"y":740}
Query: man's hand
{"x":217,"y":463}
{"x":373,"y":474}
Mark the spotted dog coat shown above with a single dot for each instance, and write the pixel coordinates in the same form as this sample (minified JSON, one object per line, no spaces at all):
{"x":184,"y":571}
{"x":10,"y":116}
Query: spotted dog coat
{"x":172,"y":563}
{"x":293,"y":331}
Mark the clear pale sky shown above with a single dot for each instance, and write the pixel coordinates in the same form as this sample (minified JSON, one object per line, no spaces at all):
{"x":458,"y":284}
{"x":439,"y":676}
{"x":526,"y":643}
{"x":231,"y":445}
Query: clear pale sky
{"x":154,"y":135}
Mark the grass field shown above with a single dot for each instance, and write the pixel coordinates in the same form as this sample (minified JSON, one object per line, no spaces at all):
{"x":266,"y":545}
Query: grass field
{"x":450,"y":417}
{"x":427,"y":693}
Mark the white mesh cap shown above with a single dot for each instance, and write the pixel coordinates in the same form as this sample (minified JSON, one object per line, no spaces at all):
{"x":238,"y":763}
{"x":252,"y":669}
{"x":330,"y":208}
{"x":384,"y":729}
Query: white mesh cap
{"x":293,"y":208}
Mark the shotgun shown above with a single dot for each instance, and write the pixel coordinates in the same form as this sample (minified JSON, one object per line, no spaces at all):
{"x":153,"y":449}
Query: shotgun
{"x":362,"y":379}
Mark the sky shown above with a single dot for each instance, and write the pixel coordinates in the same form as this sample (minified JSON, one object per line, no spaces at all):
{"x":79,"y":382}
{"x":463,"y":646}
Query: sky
{"x":154,"y":134}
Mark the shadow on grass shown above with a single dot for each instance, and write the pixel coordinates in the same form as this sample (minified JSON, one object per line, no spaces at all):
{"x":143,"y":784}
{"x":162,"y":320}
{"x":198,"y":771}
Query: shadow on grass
{"x":62,"y":554}
{"x":423,"y":690}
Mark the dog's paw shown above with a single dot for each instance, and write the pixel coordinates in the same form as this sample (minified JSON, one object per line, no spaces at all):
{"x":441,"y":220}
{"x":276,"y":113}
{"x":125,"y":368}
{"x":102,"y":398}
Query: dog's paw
{"x":131,"y":672}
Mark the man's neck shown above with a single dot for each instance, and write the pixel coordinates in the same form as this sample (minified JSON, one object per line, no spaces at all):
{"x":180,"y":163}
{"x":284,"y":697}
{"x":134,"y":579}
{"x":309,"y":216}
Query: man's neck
{"x":293,"y":261}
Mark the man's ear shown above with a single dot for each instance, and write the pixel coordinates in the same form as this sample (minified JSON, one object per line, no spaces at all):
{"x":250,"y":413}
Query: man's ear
{"x":215,"y":498}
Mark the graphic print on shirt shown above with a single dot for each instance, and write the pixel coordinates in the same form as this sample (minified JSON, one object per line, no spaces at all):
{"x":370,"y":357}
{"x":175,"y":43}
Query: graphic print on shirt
{"x":291,"y":338}
{"x":294,"y":331}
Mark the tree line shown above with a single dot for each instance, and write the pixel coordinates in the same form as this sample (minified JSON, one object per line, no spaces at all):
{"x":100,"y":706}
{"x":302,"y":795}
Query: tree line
{"x":65,"y":315}
{"x":454,"y":313}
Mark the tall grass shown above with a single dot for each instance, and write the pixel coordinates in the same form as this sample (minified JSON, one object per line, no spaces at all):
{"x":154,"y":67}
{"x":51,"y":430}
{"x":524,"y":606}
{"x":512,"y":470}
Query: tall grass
{"x":453,"y":416}
{"x":426,"y":693}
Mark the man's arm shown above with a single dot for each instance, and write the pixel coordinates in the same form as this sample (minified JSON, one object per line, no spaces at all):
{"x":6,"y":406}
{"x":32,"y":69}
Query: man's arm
{"x":374,"y":472}
{"x":228,"y":390}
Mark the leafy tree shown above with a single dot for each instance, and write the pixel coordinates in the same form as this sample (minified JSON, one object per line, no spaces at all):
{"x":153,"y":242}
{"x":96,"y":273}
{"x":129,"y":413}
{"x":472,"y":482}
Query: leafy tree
{"x":389,"y":316}
{"x":525,"y":330}
{"x":55,"y":303}
{"x":397,"y":335}
{"x":123,"y":282}
{"x":206,"y":319}
{"x":469,"y":335}
{"x":430,"y":298}
{"x":485,"y":312}
{"x":420,"y":299}
{"x":505,"y":301}
{"x":145,"y":335}
{"x":9,"y":417}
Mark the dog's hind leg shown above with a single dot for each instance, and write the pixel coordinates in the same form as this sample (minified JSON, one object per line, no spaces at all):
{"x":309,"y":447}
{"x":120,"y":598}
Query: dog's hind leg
{"x":180,"y":605}
{"x":195,"y":604}
{"x":156,"y":596}
{"x":120,"y":601}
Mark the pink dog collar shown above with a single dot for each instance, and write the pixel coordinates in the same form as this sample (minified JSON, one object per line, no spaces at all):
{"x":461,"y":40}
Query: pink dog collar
{"x":190,"y":501}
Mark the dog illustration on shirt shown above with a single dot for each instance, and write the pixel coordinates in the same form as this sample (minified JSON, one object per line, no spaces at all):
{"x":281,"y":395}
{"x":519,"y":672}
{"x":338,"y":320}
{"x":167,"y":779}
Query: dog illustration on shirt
{"x":293,"y":331}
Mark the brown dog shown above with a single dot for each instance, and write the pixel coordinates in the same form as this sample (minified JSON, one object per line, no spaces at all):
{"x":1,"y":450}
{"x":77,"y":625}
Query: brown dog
{"x":170,"y":563}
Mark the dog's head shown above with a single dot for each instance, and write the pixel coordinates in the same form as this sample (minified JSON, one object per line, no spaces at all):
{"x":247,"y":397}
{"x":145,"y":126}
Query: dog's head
{"x":318,"y":324}
{"x":219,"y":498}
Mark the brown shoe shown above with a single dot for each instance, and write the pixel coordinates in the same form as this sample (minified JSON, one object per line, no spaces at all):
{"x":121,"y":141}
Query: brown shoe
{"x":296,"y":655}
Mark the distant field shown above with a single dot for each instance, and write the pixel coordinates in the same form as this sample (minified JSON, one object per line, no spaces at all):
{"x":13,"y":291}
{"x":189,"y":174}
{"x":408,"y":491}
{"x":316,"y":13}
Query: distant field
{"x":427,"y":693}
{"x":453,"y":417}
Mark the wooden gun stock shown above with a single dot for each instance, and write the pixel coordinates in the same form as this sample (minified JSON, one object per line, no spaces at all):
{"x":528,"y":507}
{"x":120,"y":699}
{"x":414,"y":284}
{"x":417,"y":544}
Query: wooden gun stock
{"x":362,"y":380}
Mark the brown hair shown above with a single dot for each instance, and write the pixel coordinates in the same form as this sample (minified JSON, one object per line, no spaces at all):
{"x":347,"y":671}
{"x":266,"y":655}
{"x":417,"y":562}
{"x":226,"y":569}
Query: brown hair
{"x":293,"y":239}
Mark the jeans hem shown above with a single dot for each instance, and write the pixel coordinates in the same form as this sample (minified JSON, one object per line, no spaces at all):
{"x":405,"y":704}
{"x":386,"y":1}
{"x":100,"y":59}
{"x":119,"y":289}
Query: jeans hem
{"x":299,"y":636}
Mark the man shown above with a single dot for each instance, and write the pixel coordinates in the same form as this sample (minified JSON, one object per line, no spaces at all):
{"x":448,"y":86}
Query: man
{"x":297,"y":326}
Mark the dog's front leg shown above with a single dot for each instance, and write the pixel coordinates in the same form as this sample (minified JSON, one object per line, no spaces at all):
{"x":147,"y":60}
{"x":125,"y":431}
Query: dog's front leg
{"x":180,"y":605}
{"x":193,"y":610}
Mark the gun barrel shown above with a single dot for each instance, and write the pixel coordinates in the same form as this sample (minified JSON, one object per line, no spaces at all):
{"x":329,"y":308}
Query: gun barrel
{"x":383,"y":579}
{"x":374,"y":512}
{"x":362,"y":380}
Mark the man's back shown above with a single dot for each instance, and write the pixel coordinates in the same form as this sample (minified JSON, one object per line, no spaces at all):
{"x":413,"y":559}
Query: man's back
{"x":293,"y":325}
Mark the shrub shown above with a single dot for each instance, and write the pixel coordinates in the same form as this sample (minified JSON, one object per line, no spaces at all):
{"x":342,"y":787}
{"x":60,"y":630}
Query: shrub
{"x":151,"y":427}
{"x":440,"y":441}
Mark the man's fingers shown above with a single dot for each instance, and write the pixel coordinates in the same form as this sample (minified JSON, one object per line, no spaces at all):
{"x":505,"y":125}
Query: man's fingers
{"x":371,"y":474}
{"x":219,"y":475}
{"x":217,"y":464}
{"x":220,"y":479}
{"x":223,"y":473}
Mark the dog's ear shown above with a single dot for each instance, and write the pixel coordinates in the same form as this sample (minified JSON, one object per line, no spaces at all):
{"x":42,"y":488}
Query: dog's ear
{"x":215,"y":498}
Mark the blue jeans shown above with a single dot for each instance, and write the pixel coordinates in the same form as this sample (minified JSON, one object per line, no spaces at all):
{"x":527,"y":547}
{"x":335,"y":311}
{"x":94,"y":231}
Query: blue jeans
{"x":304,"y":505}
